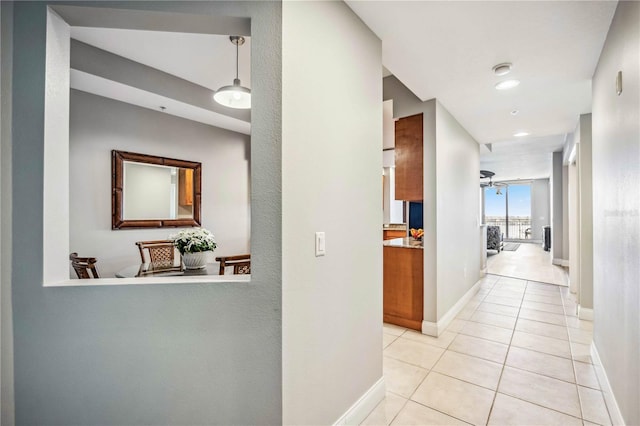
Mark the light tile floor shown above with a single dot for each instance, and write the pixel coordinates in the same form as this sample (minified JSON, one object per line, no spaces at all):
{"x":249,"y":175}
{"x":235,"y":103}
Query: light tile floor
{"x":529,"y":262}
{"x":515,"y":355}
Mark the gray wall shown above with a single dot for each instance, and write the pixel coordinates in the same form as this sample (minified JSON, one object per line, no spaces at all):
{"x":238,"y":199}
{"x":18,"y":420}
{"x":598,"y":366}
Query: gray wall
{"x":616,"y":217}
{"x":98,"y":125}
{"x":332,"y":158}
{"x":557,"y":196}
{"x":585,"y":297}
{"x":457,"y":197}
{"x":6,"y":332}
{"x":540,"y":208}
{"x":160,"y":354}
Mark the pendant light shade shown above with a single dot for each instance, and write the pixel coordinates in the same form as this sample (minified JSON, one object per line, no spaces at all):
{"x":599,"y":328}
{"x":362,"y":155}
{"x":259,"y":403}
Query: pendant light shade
{"x":236,"y":95}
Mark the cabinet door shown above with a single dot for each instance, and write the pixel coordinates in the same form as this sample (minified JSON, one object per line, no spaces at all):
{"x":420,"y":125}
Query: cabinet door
{"x":403,"y":287}
{"x":185,"y":187}
{"x":408,"y":153}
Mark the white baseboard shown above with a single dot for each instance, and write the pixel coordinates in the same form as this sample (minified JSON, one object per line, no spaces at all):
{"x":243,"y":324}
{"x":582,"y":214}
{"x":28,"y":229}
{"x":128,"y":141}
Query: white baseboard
{"x":483,"y":273}
{"x":436,"y":328}
{"x":605,"y":386}
{"x":560,"y":262}
{"x":585,"y":313}
{"x":430,"y":328}
{"x":364,"y":405}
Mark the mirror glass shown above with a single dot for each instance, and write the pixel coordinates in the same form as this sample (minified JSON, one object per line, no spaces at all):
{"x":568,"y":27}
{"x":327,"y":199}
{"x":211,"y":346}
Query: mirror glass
{"x":154,"y":192}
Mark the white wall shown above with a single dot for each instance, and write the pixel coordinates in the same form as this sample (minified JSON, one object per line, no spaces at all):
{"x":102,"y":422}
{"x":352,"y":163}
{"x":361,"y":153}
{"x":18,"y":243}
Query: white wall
{"x":565,"y":214}
{"x":574,"y":228}
{"x":458,"y":234}
{"x":616,"y":217}
{"x":331,"y":164}
{"x":99,"y":125}
{"x":540,"y":209}
{"x":147,"y":193}
{"x":56,"y":147}
{"x":580,"y":217}
{"x":396,"y":208}
{"x":388,"y":125}
{"x":390,"y":206}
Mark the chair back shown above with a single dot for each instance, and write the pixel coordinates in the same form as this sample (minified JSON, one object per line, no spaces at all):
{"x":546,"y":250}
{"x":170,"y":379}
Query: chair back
{"x":494,"y":238}
{"x":84,"y":266}
{"x":241,"y":264}
{"x":161,"y":252}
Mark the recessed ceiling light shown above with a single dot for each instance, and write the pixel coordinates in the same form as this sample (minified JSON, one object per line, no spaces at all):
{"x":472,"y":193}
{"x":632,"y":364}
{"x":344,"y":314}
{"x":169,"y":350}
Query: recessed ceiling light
{"x":520,"y":134}
{"x":502,"y":69}
{"x":515,"y":112}
{"x":507,"y":84}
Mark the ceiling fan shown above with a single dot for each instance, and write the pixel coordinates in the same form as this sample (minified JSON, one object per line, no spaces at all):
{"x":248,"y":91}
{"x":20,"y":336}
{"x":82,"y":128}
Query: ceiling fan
{"x":491,"y":184}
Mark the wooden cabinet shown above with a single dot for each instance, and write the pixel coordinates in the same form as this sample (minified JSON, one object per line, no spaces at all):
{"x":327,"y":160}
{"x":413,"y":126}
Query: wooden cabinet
{"x":403,"y":287}
{"x":409,"y":158}
{"x":389,"y":234}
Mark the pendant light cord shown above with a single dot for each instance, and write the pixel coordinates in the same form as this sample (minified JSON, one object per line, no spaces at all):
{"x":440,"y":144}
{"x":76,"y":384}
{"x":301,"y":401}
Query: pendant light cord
{"x":237,"y":53}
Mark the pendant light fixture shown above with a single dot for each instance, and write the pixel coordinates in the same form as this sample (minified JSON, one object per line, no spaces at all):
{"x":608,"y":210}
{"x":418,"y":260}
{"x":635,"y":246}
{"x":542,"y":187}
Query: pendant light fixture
{"x":235,"y":95}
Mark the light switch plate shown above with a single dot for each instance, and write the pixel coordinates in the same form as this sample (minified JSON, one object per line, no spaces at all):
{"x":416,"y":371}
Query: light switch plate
{"x":320,"y":244}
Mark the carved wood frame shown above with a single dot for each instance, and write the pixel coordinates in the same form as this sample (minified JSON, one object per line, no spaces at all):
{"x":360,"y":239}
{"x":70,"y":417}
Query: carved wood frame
{"x":117,"y":220}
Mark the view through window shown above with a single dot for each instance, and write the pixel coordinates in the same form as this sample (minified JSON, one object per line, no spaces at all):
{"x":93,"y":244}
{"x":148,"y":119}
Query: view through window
{"x":509,"y":207}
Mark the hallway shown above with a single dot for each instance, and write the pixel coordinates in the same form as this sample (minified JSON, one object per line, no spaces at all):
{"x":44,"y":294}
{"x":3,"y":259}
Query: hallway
{"x":515,"y":355}
{"x":528,"y":262}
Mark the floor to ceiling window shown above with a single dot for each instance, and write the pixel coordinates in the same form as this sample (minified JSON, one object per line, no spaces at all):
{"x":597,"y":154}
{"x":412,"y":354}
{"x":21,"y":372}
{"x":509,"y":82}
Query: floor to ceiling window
{"x":509,"y":207}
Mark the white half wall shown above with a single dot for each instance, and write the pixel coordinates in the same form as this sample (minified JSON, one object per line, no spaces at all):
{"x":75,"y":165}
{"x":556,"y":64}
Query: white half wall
{"x":616,"y":213}
{"x":99,"y":125}
{"x":331,"y":182}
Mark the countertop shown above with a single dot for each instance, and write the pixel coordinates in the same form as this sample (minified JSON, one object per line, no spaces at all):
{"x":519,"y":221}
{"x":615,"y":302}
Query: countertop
{"x":394,"y":226}
{"x":403,"y":243}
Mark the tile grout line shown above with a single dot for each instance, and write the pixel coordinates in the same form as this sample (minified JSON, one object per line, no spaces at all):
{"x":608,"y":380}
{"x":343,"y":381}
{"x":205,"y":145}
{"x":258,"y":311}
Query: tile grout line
{"x":509,"y":345}
{"x":446,"y":375}
{"x":427,"y":375}
{"x":573,"y":365}
{"x":506,"y":356}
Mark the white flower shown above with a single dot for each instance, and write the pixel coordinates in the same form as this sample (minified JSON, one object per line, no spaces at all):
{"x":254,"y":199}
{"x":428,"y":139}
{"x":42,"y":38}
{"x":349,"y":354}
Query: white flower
{"x":194,"y":240}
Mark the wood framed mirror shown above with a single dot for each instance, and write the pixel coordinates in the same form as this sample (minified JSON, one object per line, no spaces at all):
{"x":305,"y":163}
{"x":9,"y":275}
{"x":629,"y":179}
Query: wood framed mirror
{"x":154,"y":192}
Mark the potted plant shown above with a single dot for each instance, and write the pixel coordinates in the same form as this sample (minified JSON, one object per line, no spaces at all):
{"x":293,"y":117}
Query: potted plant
{"x":194,"y":244}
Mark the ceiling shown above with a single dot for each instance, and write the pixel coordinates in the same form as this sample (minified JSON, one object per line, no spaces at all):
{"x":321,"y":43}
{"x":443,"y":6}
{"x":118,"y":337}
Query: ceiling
{"x":208,"y":60}
{"x":446,"y":50}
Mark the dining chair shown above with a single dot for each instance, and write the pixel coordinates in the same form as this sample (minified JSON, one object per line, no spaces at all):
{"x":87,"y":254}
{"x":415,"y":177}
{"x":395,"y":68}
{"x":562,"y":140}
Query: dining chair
{"x":161,"y":252}
{"x":84,"y":265}
{"x":241,"y":264}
